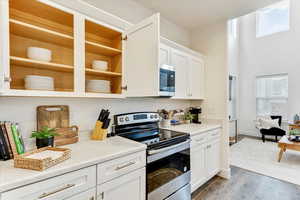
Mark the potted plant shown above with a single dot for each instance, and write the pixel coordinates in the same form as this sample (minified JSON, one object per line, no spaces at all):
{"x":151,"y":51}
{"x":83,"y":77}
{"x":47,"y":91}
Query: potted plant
{"x":188,"y":117}
{"x":44,"y":137}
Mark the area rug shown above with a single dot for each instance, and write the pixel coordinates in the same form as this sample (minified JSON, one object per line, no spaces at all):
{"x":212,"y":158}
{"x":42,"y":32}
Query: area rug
{"x":259,"y":157}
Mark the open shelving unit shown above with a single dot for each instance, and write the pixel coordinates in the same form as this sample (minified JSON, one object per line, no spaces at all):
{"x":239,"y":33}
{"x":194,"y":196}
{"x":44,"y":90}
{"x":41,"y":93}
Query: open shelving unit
{"x":36,"y":24}
{"x":102,"y":43}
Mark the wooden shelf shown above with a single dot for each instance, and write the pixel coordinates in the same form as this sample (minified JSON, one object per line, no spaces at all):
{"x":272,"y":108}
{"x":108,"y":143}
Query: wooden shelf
{"x":40,"y":64}
{"x":101,"y":49}
{"x":34,"y":32}
{"x":102,"y":73}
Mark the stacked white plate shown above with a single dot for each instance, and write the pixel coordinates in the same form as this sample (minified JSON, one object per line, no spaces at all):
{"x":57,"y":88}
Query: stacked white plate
{"x":33,"y":82}
{"x":102,"y":86}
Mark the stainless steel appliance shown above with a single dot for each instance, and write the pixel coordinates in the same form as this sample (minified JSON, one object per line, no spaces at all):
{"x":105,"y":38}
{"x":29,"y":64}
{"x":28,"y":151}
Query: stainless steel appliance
{"x":167,"y":81}
{"x":168,"y":155}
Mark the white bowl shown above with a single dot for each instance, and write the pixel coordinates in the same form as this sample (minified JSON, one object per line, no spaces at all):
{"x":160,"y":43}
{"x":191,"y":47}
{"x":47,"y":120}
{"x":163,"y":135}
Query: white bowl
{"x":102,"y":86}
{"x":33,"y":82}
{"x":40,"y":54}
{"x":100,"y":65}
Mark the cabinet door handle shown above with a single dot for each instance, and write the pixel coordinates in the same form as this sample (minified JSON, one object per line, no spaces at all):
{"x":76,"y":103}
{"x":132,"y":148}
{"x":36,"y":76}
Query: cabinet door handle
{"x":208,"y":146}
{"x":124,"y":87}
{"x":7,"y":79}
{"x":92,"y":198}
{"x":124,"y":166}
{"x":56,"y":191}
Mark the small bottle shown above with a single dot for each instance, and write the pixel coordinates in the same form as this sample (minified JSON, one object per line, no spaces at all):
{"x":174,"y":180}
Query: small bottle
{"x":296,"y":119}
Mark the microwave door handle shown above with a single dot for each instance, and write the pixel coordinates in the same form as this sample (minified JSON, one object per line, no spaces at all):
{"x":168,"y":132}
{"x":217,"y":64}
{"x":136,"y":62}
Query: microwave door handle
{"x":152,"y":152}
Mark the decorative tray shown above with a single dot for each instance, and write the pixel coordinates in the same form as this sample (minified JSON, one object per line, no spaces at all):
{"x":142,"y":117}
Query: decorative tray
{"x":42,"y":158}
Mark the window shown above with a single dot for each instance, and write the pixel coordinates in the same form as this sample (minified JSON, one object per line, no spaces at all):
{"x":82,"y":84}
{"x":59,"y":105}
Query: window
{"x":272,"y":95}
{"x":273,"y":19}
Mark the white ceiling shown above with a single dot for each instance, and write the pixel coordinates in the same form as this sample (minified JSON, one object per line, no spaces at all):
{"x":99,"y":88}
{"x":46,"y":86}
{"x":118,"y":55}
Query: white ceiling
{"x":192,"y":14}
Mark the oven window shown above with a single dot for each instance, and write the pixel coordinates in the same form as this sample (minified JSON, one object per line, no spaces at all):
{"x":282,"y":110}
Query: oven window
{"x":166,"y":169}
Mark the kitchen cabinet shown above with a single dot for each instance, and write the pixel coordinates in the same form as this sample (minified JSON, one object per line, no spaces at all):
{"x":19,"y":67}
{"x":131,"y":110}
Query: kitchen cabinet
{"x":196,"y":78}
{"x":60,"y":187}
{"x":213,"y":157}
{"x":142,"y":58}
{"x":88,"y":195}
{"x":77,"y":35}
{"x":132,"y":186}
{"x":205,"y":157}
{"x":180,"y":61}
{"x":164,"y":55}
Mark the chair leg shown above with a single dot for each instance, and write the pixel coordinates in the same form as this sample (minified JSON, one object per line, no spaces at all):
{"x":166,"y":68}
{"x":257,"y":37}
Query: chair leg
{"x":276,"y":139}
{"x":263,"y":138}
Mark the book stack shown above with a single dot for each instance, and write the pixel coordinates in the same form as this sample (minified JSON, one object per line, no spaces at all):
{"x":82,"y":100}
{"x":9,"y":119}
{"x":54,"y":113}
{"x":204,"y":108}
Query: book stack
{"x":11,"y":142}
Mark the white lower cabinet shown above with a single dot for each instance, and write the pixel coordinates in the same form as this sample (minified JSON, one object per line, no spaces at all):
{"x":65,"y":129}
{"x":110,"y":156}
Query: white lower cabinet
{"x":205,"y":157}
{"x":131,"y":186}
{"x":60,"y":187}
{"x":88,"y":195}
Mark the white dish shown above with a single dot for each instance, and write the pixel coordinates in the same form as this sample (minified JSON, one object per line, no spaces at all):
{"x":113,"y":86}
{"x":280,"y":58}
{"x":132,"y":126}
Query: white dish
{"x":100,"y":65}
{"x":33,"y":82}
{"x":102,"y":86}
{"x":40,"y":54}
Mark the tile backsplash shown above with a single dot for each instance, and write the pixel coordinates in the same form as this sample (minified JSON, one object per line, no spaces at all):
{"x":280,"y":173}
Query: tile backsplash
{"x":83,"y":111}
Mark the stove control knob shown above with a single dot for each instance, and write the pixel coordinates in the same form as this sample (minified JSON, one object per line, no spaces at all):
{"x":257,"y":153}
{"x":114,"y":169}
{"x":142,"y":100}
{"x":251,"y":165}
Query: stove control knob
{"x":121,"y":119}
{"x":151,"y":116}
{"x":126,"y":119}
{"x":155,"y":116}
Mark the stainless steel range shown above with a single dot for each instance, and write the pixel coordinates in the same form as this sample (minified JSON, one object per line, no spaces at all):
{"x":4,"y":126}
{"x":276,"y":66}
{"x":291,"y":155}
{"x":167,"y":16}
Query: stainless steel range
{"x":168,"y":155}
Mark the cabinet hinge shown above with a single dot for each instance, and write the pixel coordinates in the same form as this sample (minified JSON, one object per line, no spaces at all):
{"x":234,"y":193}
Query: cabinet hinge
{"x":124,"y":87}
{"x":125,"y":38}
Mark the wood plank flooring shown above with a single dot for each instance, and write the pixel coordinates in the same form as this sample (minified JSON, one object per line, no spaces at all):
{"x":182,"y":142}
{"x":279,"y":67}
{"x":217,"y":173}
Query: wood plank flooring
{"x":246,"y":185}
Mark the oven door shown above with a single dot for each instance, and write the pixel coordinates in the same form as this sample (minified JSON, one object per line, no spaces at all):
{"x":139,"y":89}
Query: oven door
{"x":167,"y":81}
{"x":168,"y":172}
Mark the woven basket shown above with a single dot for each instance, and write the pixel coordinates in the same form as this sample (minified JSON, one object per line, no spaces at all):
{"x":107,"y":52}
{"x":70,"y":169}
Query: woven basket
{"x":40,"y":164}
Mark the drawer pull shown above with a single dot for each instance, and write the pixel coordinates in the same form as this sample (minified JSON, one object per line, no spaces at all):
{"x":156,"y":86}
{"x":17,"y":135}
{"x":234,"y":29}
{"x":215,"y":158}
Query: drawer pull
{"x":215,"y":134}
{"x":209,"y":146}
{"x":56,"y":191}
{"x":92,"y":198}
{"x":124,"y":166}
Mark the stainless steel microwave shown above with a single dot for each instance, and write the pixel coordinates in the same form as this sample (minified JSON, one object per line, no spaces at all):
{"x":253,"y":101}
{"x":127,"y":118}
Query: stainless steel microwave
{"x":167,"y":81}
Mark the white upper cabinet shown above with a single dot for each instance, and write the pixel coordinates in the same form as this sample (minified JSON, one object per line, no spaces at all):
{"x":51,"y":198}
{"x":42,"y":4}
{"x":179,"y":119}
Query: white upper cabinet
{"x":164,"y":55}
{"x":142,"y":58}
{"x":196,"y":78}
{"x":180,"y":61}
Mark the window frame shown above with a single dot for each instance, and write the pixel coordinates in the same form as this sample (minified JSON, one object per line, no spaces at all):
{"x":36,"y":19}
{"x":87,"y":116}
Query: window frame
{"x":270,"y":97}
{"x":259,"y":12}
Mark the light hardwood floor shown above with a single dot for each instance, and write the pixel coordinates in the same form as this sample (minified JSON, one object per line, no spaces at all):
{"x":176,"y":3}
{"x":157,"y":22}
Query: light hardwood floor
{"x":246,"y":185}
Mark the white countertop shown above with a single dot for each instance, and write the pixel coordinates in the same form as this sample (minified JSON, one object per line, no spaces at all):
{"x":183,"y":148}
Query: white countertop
{"x":193,"y":129}
{"x":84,"y":153}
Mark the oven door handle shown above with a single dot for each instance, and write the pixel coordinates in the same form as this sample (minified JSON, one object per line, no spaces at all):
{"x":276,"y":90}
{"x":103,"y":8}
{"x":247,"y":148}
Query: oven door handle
{"x":152,"y":152}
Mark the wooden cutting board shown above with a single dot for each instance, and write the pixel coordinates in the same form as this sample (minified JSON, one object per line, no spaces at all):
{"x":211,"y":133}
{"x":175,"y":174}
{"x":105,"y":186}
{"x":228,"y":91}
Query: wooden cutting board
{"x":56,"y":116}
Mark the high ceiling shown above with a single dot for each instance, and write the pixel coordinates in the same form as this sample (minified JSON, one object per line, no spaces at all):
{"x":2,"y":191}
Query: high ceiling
{"x":192,"y":14}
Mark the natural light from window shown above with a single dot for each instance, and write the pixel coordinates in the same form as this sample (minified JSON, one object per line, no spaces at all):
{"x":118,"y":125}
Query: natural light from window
{"x":272,"y":95}
{"x":273,"y":19}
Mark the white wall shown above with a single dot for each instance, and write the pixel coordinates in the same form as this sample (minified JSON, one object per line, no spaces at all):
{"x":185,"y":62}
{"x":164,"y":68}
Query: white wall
{"x":212,"y":42}
{"x":274,"y":54}
{"x":83,"y":112}
{"x":134,"y":12}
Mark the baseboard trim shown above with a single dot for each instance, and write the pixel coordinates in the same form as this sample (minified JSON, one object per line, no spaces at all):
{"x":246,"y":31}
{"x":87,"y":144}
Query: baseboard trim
{"x":225,"y":173}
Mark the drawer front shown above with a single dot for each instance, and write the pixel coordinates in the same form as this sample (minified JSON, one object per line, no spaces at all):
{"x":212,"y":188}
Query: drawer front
{"x":199,"y":139}
{"x":88,"y":195}
{"x":118,"y":167}
{"x":59,"y":187}
{"x":214,"y":134}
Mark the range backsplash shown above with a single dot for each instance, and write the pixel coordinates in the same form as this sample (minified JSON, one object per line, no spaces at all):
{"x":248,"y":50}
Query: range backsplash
{"x":83,"y":111}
